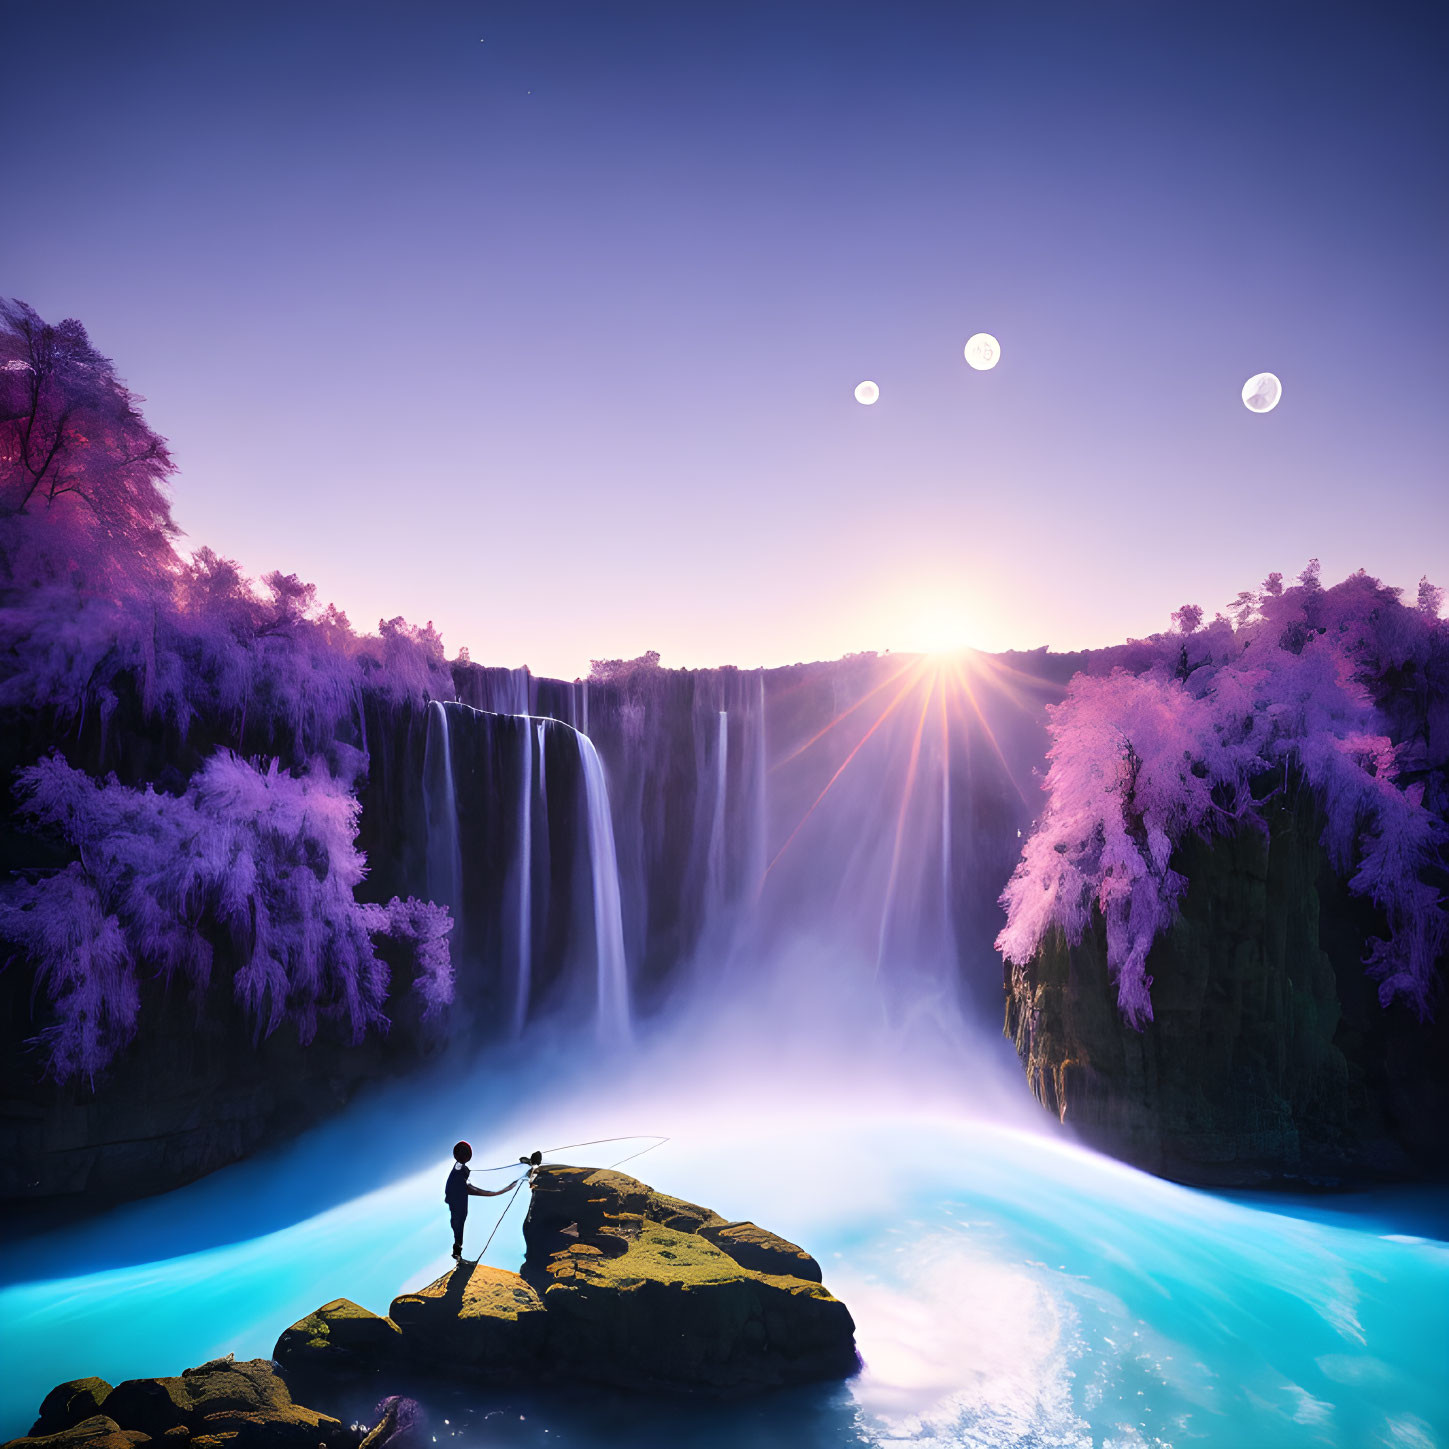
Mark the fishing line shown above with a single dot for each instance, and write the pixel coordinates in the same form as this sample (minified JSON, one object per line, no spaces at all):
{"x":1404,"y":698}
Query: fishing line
{"x":658,"y":1141}
{"x":501,"y":1216}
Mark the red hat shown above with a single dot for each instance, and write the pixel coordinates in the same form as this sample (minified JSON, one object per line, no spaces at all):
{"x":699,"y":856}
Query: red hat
{"x":462,"y":1151}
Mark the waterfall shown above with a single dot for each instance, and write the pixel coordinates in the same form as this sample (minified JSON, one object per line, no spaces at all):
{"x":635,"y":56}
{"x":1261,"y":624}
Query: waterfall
{"x":715,"y":884}
{"x":759,"y":827}
{"x":361,"y":716}
{"x":523,"y":974}
{"x":613,"y":969}
{"x":741,"y":813}
{"x":497,"y":691}
{"x":440,"y":803}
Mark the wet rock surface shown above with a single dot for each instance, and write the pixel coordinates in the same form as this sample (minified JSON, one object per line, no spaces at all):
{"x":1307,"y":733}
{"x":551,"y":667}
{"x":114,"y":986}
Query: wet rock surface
{"x":69,"y":1404}
{"x":223,"y":1404}
{"x":621,"y":1286}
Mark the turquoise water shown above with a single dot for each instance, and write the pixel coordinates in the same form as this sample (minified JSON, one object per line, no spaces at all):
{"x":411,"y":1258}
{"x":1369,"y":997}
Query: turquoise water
{"x":1008,"y":1287}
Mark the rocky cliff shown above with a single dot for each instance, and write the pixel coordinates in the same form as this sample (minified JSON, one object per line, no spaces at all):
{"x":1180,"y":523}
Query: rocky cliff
{"x":1269,"y":1061}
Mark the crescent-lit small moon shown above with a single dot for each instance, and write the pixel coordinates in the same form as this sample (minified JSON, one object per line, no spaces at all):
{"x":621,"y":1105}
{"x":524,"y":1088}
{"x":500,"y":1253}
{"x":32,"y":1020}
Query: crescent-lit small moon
{"x":1262,"y":392}
{"x":866,"y":393}
{"x":982,"y":351}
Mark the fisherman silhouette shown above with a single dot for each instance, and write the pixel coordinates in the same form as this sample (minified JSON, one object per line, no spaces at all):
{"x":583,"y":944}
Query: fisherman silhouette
{"x":459,"y":1190}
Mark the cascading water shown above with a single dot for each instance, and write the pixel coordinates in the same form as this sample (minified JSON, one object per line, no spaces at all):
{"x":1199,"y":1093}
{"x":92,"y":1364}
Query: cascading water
{"x":498,"y":691}
{"x":757,"y":832}
{"x":530,"y":862}
{"x":870,"y":806}
{"x":613,"y":971}
{"x":715,"y":857}
{"x":440,"y":798}
{"x":523,"y":867}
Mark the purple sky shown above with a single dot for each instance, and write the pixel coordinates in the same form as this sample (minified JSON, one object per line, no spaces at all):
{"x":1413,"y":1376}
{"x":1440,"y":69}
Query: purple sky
{"x":542,"y":321}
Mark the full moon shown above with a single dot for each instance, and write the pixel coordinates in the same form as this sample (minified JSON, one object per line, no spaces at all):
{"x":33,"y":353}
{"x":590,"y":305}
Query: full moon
{"x":866,"y":392}
{"x":983,"y":351}
{"x":1261,"y":392}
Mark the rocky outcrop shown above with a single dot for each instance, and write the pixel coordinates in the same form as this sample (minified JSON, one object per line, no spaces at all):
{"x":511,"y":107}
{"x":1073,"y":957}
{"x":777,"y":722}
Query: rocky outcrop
{"x":621,"y":1285}
{"x":69,"y":1404}
{"x":340,"y":1334}
{"x":1269,"y":1061}
{"x":96,"y":1432}
{"x":220,"y":1405}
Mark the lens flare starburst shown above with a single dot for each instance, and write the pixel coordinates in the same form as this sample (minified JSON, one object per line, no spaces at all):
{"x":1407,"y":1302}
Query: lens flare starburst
{"x":964,"y":690}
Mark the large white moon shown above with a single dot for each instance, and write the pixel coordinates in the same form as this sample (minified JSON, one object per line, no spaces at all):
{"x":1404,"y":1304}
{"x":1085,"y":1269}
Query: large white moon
{"x":983,"y":351}
{"x":866,"y":392}
{"x":1261,"y":392}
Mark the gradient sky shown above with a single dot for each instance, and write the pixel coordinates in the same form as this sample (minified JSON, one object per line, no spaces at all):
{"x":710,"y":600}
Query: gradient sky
{"x":542,"y":320}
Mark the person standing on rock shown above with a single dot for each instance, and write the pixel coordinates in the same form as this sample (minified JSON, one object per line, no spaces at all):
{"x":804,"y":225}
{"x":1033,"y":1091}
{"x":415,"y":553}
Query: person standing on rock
{"x":459,"y":1190}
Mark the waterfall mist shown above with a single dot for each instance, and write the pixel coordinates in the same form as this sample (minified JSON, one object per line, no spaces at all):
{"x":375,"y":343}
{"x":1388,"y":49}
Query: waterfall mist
{"x":827,"y":838}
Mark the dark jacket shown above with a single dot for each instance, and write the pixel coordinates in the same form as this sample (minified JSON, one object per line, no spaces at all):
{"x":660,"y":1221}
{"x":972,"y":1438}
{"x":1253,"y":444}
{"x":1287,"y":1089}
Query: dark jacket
{"x":456,"y":1192}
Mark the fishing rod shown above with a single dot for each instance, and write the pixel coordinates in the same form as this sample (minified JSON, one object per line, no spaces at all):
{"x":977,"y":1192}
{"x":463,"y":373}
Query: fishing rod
{"x":534,"y":1160}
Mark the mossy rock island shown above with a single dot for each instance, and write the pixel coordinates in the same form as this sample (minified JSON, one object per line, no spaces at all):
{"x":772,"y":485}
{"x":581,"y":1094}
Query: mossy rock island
{"x":224,"y":1404}
{"x":621,"y":1286}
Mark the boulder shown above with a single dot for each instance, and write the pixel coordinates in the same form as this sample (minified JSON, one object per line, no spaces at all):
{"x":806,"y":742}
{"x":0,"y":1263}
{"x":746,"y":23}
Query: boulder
{"x":483,"y":1321}
{"x":647,"y":1291}
{"x":763,"y":1251}
{"x":587,"y":1199}
{"x":339,"y":1338}
{"x":621,"y":1285}
{"x":672,"y":1311}
{"x":69,"y":1404}
{"x":241,"y":1404}
{"x":96,"y":1432}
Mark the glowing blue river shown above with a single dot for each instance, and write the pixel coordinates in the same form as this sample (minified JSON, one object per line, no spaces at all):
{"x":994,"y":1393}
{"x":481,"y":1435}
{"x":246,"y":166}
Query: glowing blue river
{"x":1008,"y":1287}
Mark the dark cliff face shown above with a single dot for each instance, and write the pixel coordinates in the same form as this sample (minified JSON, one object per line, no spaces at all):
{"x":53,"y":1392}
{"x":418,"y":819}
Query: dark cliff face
{"x":198,"y":1089}
{"x":1269,"y":1060}
{"x":741,"y":814}
{"x":203,"y":1093}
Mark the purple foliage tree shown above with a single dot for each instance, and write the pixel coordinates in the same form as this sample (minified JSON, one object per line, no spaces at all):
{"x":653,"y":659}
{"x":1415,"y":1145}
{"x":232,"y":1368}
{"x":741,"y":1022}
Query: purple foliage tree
{"x":1327,"y":683}
{"x":81,"y":474}
{"x":614,"y":671}
{"x":257,"y":859}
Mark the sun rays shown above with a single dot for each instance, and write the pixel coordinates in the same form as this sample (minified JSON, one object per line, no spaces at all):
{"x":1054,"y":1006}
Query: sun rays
{"x":953,"y":695}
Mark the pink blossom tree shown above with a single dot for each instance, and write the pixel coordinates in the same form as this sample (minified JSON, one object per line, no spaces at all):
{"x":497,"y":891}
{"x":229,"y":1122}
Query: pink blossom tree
{"x":82,"y":475}
{"x":1310,"y":685}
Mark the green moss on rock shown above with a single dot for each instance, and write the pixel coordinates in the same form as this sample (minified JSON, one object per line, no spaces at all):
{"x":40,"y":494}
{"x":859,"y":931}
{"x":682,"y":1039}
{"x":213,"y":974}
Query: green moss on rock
{"x":340,"y":1336}
{"x":755,"y":1247}
{"x":486,"y":1321}
{"x":98,"y":1431}
{"x":633,"y":1301}
{"x":69,"y":1404}
{"x":621,"y":1285}
{"x":245,"y":1399}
